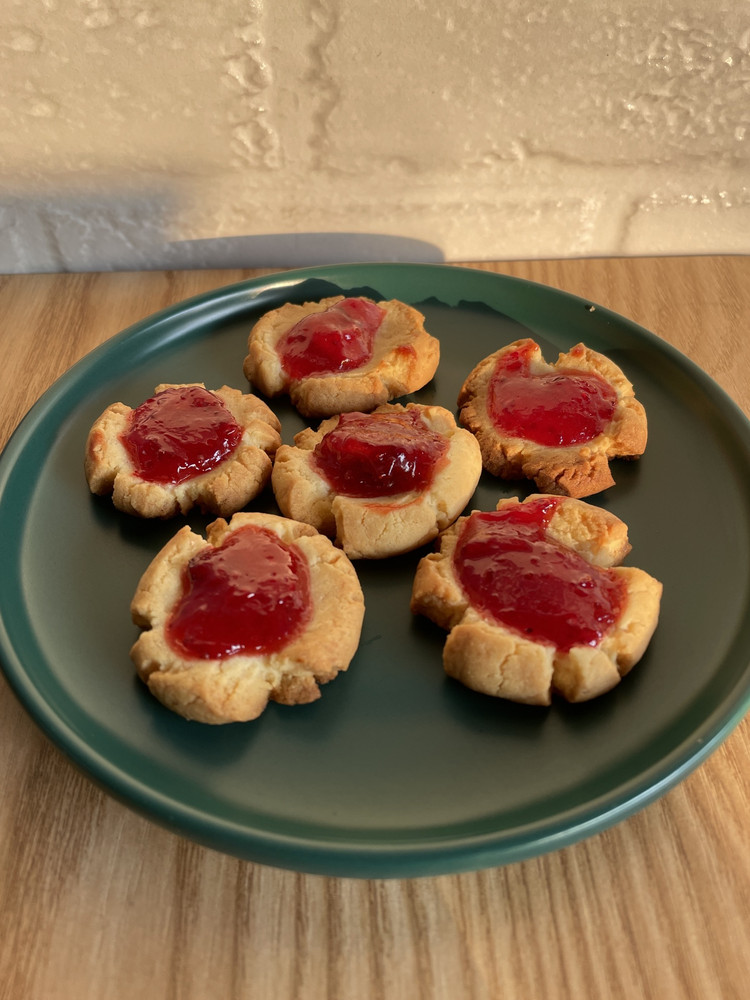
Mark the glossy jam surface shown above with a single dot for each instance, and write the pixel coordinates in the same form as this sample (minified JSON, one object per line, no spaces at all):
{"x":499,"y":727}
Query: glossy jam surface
{"x":379,"y":454}
{"x":513,"y":574}
{"x":180,"y":433}
{"x":337,"y":340}
{"x":249,"y":595}
{"x":560,"y":408}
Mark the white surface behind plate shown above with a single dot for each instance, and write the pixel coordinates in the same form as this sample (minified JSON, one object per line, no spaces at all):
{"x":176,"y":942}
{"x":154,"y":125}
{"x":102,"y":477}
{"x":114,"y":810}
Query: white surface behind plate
{"x":157,"y":133}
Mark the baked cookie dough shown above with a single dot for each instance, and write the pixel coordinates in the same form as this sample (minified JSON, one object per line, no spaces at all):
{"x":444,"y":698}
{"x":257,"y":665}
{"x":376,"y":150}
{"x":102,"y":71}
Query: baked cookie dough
{"x":186,"y":446}
{"x":379,"y":483}
{"x":264,"y":608}
{"x":535,"y":601}
{"x":340,"y":354}
{"x":558,"y":424}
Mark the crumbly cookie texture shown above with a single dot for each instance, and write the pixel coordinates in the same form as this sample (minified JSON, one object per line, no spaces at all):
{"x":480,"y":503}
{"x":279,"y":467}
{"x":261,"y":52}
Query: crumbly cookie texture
{"x":374,"y":528}
{"x":499,"y":661}
{"x":575,"y":471}
{"x":239,"y":687}
{"x":223,"y":490}
{"x":405,"y":358}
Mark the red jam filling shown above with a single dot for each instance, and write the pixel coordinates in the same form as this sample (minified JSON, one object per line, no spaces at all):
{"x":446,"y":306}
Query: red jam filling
{"x":559,"y":408}
{"x":180,"y":433}
{"x":517,"y":576}
{"x":336,"y":340}
{"x":249,"y":595}
{"x":379,"y":454}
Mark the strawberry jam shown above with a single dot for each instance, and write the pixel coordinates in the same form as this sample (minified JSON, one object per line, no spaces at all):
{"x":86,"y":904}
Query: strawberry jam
{"x":515,"y":575}
{"x":180,"y":433}
{"x":379,"y":454}
{"x":336,"y":340}
{"x":558,"y":408}
{"x":249,"y":595}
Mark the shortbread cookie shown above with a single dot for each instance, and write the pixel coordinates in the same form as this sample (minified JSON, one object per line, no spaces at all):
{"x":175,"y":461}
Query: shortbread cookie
{"x":535,"y":601}
{"x":186,"y":446}
{"x":341,"y":354}
{"x":263,"y":609}
{"x":556,"y":424}
{"x":379,"y":483}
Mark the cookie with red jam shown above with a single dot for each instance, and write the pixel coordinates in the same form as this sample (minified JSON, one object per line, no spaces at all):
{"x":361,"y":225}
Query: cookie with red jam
{"x":263,"y":609}
{"x":535,"y":600}
{"x":557,"y":424}
{"x":184,"y":447}
{"x":379,"y":483}
{"x":340,"y":354}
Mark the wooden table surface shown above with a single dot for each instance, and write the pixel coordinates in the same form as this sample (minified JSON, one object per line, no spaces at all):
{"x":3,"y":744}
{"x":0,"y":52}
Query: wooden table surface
{"x":96,"y":902}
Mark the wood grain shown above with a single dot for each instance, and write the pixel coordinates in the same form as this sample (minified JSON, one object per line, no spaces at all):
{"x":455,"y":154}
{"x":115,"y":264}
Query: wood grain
{"x":97,"y":902}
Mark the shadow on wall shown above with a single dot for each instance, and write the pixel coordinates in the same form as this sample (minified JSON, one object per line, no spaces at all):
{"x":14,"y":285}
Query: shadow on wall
{"x":83,"y":232}
{"x":303,"y":249}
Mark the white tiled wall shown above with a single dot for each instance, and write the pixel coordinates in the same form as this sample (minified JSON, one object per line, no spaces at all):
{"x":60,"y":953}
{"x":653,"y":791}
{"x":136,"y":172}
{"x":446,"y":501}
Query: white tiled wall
{"x":150,"y":133}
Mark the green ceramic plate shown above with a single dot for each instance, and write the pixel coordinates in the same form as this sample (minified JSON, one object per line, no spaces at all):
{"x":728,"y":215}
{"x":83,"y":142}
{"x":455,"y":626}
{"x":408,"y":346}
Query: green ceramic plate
{"x":396,"y":770}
